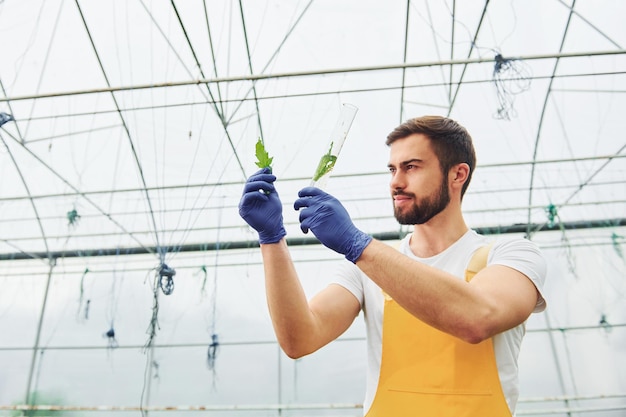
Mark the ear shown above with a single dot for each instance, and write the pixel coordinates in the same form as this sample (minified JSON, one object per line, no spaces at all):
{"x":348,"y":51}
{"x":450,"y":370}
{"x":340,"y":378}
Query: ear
{"x":459,"y":174}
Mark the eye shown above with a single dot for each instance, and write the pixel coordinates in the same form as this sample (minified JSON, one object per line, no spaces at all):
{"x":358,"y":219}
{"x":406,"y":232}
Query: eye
{"x":392,"y":170}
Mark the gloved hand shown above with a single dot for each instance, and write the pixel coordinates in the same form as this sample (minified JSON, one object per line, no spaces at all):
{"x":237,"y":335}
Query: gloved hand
{"x":261,"y":208}
{"x":330,"y":222}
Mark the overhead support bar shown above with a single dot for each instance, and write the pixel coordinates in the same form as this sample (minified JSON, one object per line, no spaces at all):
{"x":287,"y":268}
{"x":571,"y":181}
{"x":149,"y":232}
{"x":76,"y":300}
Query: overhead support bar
{"x":305,"y":241}
{"x":257,"y":77}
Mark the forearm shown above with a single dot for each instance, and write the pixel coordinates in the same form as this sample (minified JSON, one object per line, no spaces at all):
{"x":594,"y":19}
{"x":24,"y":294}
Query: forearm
{"x":293,"y":321}
{"x":434,"y":296}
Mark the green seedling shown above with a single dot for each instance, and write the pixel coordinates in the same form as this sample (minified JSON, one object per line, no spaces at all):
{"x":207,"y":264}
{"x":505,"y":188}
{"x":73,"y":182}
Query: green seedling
{"x":326,"y":164}
{"x":263,"y":159}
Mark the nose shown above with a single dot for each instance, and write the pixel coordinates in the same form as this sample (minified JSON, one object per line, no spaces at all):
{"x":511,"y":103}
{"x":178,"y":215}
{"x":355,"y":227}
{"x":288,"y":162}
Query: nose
{"x":397,"y":181}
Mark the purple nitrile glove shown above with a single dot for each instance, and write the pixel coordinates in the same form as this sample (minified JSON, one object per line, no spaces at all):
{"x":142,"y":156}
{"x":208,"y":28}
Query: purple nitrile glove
{"x":261,"y":208}
{"x":330,"y":222}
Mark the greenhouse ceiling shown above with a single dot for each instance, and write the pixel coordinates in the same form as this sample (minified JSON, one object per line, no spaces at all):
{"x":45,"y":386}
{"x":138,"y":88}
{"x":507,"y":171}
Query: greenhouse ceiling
{"x":129,"y":127}
{"x":135,"y":123}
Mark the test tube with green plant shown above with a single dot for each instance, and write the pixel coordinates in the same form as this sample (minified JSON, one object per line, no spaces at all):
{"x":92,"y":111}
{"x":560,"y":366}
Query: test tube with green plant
{"x":337,"y":139}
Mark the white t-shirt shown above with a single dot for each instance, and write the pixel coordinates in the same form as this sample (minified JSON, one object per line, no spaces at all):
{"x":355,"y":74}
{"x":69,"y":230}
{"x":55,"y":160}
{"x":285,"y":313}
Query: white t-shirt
{"x":517,"y":253}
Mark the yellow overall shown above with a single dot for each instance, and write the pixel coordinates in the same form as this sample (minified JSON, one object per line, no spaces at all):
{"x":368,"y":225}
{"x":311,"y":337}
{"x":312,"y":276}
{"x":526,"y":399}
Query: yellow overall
{"x":425,"y":372}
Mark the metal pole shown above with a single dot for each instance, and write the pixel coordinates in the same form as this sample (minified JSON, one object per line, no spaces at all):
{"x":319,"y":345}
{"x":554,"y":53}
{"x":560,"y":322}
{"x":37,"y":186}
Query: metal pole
{"x":38,"y":336}
{"x":304,"y":241}
{"x":256,"y":77}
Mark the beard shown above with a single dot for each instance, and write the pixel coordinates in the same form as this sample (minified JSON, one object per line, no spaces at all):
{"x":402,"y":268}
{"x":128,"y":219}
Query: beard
{"x":424,"y":209}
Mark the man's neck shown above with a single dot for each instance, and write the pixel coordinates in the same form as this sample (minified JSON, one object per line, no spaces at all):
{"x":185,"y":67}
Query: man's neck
{"x":437,"y":235}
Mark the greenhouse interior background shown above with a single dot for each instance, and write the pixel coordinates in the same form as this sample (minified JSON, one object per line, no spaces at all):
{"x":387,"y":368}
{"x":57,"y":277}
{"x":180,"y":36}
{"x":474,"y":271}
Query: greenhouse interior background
{"x":131,"y":286}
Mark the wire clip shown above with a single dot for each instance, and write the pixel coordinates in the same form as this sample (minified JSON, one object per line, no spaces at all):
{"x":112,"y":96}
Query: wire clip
{"x":166,"y":279}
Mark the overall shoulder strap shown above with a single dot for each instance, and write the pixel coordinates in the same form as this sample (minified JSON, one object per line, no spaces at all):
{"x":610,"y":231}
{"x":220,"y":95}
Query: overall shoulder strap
{"x":478,"y":262}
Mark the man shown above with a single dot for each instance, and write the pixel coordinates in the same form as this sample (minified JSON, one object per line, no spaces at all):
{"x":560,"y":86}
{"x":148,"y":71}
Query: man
{"x":440,"y":343}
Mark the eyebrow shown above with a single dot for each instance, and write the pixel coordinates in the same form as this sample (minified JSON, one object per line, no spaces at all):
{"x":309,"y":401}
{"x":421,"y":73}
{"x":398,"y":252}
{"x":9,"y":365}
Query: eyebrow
{"x":405,"y":163}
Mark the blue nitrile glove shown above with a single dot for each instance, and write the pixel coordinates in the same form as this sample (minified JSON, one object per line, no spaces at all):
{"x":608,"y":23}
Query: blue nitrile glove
{"x":261,"y":208}
{"x":330,"y":222}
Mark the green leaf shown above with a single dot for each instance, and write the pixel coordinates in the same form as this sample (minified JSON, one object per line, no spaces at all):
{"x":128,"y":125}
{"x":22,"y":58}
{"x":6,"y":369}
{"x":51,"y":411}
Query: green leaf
{"x":263,"y":158}
{"x":326,"y":164}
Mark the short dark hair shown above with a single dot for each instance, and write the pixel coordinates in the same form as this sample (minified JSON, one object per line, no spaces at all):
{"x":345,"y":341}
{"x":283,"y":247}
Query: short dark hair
{"x":451,"y":142}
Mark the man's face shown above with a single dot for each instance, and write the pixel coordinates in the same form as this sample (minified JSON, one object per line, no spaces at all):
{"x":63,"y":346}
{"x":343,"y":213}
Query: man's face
{"x":418,"y":188}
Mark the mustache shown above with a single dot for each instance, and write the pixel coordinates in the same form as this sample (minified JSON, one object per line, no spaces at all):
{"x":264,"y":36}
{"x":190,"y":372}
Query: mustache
{"x":398,"y":193}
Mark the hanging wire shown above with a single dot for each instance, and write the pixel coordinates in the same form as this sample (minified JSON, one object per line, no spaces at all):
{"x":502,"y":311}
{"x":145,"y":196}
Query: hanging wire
{"x":469,"y":53}
{"x":73,"y":217}
{"x":83,"y":309}
{"x":78,"y":192}
{"x":583,"y":185}
{"x":452,"y":41}
{"x":213,"y":58}
{"x":151,"y":370}
{"x":214,"y":345}
{"x":204,"y":278}
{"x":10,"y":115}
{"x":123,"y":120}
{"x":189,"y":226}
{"x":225,"y":122}
{"x":531,"y":185}
{"x":510,"y":77}
{"x":604,"y":323}
{"x":112,"y":309}
{"x":218,"y":110}
{"x":87,"y":306}
{"x":111,"y":340}
{"x":164,"y":270}
{"x":212,"y":100}
{"x":43,"y":71}
{"x":554,"y":219}
{"x":617,"y":245}
{"x":163,"y":280}
{"x":30,"y":196}
{"x":154,"y":320}
{"x":149,"y":346}
{"x":166,"y":279}
{"x":212,"y":352}
{"x":257,"y":77}
{"x":254,"y":94}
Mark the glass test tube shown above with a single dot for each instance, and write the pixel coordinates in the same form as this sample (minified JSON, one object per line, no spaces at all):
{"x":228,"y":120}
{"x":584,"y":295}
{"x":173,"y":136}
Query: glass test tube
{"x":337,"y":138}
